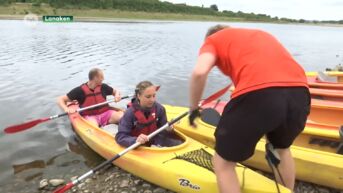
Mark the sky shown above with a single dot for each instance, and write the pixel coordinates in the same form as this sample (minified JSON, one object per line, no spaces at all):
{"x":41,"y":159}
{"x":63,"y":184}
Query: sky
{"x":293,"y":9}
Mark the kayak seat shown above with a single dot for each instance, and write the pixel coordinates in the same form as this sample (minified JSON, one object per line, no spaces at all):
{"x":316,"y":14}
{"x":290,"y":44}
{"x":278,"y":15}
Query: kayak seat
{"x":111,"y":128}
{"x":322,"y":77}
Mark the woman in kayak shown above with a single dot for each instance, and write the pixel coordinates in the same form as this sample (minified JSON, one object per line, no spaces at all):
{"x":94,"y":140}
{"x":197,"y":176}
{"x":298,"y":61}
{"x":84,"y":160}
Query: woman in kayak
{"x":143,"y":117}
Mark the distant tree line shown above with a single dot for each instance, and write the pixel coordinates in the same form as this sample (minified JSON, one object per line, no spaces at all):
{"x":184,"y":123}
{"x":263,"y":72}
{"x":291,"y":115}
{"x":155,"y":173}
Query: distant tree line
{"x":158,"y":6}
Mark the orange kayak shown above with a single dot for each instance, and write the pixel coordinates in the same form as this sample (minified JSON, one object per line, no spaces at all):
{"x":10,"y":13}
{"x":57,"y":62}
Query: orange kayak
{"x":326,"y":106}
{"x":319,"y":123}
{"x":327,"y":94}
{"x":326,"y":112}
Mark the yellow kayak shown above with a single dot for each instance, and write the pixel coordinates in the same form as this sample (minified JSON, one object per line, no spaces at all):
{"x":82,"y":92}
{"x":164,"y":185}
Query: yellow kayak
{"x":183,"y":168}
{"x":330,"y":73}
{"x":314,"y":151}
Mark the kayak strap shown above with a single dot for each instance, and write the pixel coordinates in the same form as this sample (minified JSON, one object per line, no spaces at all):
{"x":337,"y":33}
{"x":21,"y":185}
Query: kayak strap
{"x":272,"y":155}
{"x":340,"y":147}
{"x":273,"y":159}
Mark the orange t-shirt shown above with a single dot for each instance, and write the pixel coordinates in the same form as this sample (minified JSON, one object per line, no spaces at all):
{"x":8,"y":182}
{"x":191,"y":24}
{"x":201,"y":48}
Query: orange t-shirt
{"x":254,"y":60}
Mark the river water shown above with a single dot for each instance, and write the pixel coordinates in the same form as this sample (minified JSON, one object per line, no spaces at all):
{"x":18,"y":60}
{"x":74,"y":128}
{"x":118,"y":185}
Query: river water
{"x":40,"y":62}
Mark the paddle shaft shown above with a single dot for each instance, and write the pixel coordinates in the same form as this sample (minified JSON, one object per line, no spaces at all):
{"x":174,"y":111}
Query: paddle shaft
{"x":30,"y":124}
{"x":89,"y":107}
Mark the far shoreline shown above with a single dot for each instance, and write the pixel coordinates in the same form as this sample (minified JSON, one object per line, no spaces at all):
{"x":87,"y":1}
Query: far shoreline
{"x":18,"y":11}
{"x":160,"y":20}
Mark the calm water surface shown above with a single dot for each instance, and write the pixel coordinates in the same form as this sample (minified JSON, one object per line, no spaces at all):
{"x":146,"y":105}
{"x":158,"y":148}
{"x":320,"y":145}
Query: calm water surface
{"x":37,"y":64}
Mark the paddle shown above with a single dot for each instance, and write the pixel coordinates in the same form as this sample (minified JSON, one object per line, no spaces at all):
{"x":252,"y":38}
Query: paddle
{"x":133,"y":146}
{"x":28,"y":125}
{"x":211,"y":115}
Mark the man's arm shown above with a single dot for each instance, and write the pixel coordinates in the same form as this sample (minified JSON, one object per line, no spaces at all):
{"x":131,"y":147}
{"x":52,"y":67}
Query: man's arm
{"x":75,"y":94}
{"x":205,"y":63}
{"x":111,"y":91}
{"x":62,"y":102}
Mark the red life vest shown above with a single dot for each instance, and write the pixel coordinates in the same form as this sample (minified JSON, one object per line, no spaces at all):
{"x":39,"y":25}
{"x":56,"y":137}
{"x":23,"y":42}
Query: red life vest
{"x":144,"y":125}
{"x":92,"y":98}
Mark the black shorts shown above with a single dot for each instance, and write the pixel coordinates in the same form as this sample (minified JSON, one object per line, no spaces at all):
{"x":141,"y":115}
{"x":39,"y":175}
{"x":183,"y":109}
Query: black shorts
{"x":280,"y":113}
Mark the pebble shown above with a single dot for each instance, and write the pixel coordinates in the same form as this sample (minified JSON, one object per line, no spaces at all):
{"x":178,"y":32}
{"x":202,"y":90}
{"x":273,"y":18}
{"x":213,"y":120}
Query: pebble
{"x":88,"y":180}
{"x":124,"y":183}
{"x":43,"y":183}
{"x":108,"y":179}
{"x":146,"y":185}
{"x":147,"y":191}
{"x":159,"y":190}
{"x":81,"y":186}
{"x":137,"y":182}
{"x":56,"y":182}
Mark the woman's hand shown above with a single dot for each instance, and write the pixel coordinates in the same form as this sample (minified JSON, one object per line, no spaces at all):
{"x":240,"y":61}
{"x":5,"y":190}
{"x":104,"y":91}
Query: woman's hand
{"x":170,"y":128}
{"x":142,"y":139}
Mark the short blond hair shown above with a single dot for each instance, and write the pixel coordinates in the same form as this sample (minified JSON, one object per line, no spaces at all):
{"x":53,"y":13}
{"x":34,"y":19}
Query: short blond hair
{"x":215,"y":29}
{"x":93,"y":73}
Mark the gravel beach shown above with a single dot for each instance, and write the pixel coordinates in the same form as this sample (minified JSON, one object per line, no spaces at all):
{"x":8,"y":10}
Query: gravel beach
{"x":113,"y":179}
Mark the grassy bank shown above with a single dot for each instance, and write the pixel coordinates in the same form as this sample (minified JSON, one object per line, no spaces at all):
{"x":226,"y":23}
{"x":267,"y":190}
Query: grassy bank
{"x":18,"y":10}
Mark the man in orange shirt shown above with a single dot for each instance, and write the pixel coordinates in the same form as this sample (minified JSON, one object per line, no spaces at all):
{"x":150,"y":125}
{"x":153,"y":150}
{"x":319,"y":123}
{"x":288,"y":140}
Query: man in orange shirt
{"x":271,"y":98}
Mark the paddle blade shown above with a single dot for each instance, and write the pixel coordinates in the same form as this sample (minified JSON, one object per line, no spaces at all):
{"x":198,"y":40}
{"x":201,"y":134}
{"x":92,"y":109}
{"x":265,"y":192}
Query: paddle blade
{"x":210,"y":116}
{"x":215,"y":95}
{"x":64,"y":188}
{"x":24,"y":126}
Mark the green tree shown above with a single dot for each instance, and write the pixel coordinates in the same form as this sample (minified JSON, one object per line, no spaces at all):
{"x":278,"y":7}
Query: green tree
{"x":214,"y":7}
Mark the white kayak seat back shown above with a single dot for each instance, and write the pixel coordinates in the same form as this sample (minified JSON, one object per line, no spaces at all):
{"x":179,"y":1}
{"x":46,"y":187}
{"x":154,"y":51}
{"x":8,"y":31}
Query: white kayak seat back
{"x":111,"y":128}
{"x":322,"y":77}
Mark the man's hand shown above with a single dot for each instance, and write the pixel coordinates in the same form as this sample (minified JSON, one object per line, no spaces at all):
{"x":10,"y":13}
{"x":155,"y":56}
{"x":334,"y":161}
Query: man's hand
{"x":69,"y":110}
{"x":192,"y":116}
{"x":117,"y":96}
